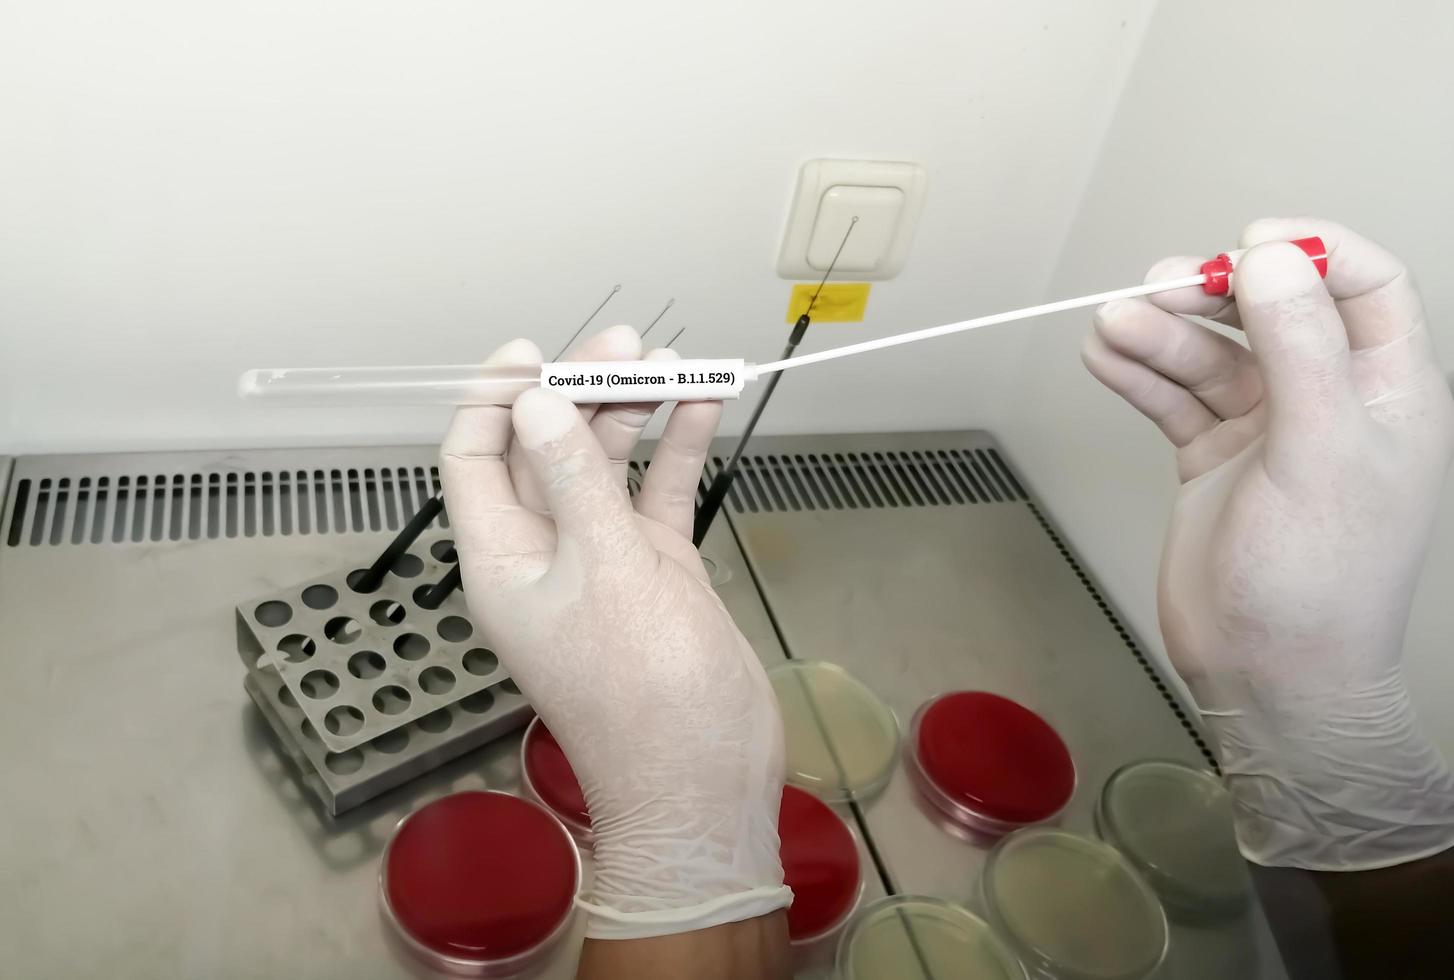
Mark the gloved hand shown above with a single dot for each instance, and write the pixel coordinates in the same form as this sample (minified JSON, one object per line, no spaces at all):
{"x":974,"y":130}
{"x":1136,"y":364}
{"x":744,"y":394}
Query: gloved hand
{"x":603,"y":614}
{"x":1312,"y":466}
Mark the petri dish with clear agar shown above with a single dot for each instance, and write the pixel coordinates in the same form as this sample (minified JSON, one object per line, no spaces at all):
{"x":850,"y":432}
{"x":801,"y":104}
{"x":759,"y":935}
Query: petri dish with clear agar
{"x":842,"y":739}
{"x":988,"y":763}
{"x":549,"y":779}
{"x":914,"y":936}
{"x":1174,"y":823}
{"x":1072,"y":908}
{"x":479,"y":883}
{"x":820,"y":865}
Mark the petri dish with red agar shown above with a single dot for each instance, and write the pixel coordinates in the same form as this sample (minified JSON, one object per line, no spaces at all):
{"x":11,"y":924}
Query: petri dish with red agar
{"x":916,"y":936}
{"x":1071,"y":907}
{"x":820,"y":865}
{"x":987,"y":763}
{"x":841,"y":738}
{"x":1174,"y":823}
{"x":549,"y":779}
{"x":480,"y":884}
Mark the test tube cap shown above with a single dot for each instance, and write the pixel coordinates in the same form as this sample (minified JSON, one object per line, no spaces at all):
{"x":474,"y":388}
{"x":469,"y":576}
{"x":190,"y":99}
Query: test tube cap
{"x":1219,"y":270}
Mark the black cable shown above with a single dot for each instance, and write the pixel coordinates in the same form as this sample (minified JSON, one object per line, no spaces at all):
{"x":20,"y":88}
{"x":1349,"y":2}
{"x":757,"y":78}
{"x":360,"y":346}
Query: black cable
{"x":421,"y":520}
{"x":717,"y":492}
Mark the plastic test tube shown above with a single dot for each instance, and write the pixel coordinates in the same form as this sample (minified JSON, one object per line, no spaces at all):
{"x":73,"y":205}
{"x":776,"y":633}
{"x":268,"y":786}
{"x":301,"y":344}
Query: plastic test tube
{"x":470,"y":384}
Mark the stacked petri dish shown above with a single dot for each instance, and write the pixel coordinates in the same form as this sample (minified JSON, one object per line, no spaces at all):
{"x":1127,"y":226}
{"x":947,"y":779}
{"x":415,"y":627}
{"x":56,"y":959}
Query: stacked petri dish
{"x":480,"y":884}
{"x":549,"y":779}
{"x":821,"y":866}
{"x":987,"y":764}
{"x":1174,"y":824}
{"x":914,"y":936}
{"x":1072,"y":908}
{"x":842,"y":740}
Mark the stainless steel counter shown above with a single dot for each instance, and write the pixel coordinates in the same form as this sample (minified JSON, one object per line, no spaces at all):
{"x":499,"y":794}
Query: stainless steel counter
{"x":150,"y":828}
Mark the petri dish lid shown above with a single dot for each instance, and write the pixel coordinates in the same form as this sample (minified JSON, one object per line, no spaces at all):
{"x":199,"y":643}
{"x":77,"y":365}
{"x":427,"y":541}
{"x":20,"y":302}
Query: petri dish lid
{"x":550,"y":779}
{"x":1174,"y":823}
{"x":912,"y":936}
{"x":479,"y":878}
{"x":820,"y":865}
{"x":1072,"y":907}
{"x":842,"y":740}
{"x":989,"y":761}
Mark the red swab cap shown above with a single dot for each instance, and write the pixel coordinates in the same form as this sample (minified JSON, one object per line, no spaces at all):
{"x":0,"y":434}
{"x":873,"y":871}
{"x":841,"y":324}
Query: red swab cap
{"x":1219,"y":270}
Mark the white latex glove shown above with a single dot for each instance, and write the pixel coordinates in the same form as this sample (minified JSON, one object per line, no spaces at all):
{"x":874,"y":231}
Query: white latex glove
{"x":1311,"y":467}
{"x":604,"y":616}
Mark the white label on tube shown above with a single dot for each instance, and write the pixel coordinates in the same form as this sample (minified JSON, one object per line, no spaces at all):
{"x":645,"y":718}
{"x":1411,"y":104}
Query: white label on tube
{"x":645,"y":381}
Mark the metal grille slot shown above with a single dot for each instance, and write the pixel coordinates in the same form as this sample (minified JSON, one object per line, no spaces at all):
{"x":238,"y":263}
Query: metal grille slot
{"x":850,"y":481}
{"x":143,"y":507}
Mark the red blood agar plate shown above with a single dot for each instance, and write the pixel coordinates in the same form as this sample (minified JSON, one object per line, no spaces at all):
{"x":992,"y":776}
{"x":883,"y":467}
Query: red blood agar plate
{"x":820,"y":865}
{"x":988,"y":763}
{"x":480,"y":883}
{"x":549,"y":778}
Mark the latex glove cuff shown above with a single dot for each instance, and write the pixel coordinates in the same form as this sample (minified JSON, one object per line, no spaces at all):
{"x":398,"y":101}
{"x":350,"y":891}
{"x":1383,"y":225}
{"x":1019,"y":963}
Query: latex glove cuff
{"x":604,"y":922}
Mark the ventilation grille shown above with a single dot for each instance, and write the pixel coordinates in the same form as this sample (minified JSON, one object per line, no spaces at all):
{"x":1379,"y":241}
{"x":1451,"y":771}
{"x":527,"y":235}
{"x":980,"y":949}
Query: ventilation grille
{"x":120,"y":508}
{"x":852,"y":481}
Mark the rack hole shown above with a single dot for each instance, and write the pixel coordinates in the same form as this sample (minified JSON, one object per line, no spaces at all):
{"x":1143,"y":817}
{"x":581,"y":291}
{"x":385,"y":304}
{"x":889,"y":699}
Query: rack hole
{"x":411,"y":646}
{"x":391,"y":699}
{"x":343,"y":720}
{"x":407,"y":565}
{"x":273,"y":613}
{"x":455,"y":629}
{"x":481,"y":662}
{"x":344,"y":763}
{"x":436,"y":721}
{"x":477,"y":703}
{"x":319,"y":684}
{"x":341,"y":629}
{"x":444,"y":551}
{"x":436,"y":680}
{"x":509,"y":686}
{"x":392,"y":742}
{"x":320,"y":596}
{"x":366,"y":665}
{"x":387,"y":612}
{"x":297,"y":648}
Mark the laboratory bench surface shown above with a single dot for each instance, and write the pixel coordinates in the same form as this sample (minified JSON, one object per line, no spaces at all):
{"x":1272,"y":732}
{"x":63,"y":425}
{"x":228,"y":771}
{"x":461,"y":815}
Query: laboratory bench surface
{"x":152,"y":828}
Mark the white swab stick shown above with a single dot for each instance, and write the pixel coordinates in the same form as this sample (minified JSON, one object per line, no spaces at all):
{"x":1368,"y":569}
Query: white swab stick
{"x":1059,"y":306}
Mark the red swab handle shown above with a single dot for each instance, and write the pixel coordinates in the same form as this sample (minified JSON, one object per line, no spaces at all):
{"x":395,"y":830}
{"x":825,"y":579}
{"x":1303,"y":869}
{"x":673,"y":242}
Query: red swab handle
{"x":1219,"y":270}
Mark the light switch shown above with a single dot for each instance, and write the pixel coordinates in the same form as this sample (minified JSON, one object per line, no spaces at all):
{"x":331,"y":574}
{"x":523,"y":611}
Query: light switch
{"x":866,"y":246}
{"x":885,"y":196}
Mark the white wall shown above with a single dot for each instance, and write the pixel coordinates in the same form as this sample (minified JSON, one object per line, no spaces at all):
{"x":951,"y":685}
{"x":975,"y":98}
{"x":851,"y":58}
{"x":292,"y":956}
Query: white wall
{"x":188,"y":190}
{"x":1231,"y":113}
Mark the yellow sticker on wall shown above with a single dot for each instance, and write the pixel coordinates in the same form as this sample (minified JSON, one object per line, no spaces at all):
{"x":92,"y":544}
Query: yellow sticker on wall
{"x":839,"y":302}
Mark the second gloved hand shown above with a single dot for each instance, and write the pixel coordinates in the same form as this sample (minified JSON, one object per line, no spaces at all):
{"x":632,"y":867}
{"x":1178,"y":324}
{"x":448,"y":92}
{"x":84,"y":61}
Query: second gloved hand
{"x":1312,"y":465}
